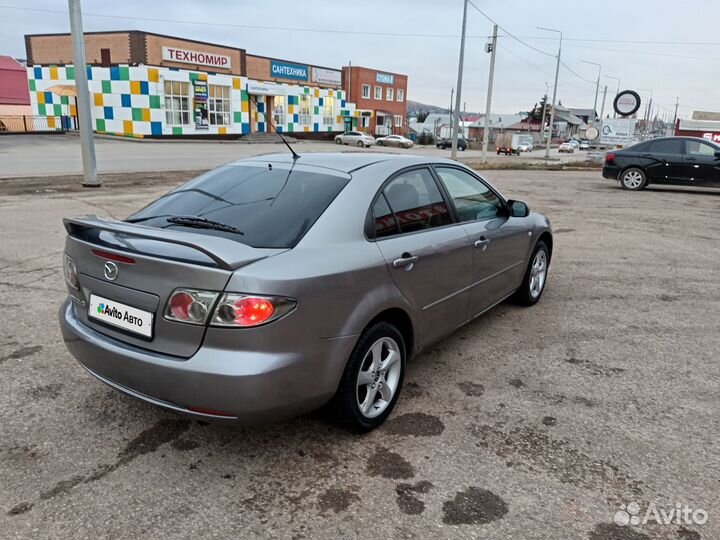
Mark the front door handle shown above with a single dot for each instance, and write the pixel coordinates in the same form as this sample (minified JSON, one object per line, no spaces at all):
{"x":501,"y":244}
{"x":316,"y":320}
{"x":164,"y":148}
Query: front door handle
{"x":406,"y":261}
{"x":482,"y":244}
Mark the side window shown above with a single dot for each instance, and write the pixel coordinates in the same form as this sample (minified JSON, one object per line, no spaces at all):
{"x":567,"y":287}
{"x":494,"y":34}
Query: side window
{"x":416,"y":202}
{"x":383,"y":218}
{"x":473,"y":199}
{"x":669,"y":146}
{"x":699,"y":148}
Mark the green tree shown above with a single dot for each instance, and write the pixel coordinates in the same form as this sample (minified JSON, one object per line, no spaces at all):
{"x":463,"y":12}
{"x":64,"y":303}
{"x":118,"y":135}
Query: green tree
{"x":535,"y":114}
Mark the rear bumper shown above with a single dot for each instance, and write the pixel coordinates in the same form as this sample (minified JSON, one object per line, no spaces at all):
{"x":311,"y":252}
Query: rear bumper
{"x":249,"y":387}
{"x":611,"y":171}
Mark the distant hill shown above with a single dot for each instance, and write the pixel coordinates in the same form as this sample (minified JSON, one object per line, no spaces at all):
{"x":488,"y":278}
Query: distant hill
{"x":415,"y":107}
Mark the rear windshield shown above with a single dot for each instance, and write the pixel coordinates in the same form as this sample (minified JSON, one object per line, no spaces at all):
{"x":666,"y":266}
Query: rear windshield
{"x":274,"y":208}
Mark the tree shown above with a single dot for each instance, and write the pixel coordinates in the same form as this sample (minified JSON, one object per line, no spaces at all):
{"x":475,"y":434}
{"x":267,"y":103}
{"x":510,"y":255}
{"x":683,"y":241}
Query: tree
{"x":535,"y":115}
{"x":421,"y":116}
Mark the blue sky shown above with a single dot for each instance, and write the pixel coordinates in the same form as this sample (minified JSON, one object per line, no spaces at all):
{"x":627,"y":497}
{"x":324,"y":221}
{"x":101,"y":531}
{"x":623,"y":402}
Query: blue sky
{"x":689,"y":71}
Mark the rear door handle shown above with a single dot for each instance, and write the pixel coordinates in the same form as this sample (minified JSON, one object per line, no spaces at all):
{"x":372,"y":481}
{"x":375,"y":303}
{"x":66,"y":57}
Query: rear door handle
{"x":405,"y":261}
{"x":482,"y":244}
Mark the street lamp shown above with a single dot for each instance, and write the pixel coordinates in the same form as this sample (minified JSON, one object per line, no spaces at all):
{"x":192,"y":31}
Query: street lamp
{"x":557,"y":72}
{"x":597,"y":86}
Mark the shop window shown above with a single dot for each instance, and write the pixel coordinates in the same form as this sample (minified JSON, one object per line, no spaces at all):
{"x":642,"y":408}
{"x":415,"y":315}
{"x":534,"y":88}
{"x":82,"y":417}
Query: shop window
{"x":400,"y":94}
{"x":219,"y":105}
{"x":329,"y":111}
{"x":366,"y":91}
{"x":398,"y":121}
{"x":279,"y":110}
{"x":378,"y":92}
{"x":305,"y":108}
{"x":389,"y":94}
{"x":177,"y":103}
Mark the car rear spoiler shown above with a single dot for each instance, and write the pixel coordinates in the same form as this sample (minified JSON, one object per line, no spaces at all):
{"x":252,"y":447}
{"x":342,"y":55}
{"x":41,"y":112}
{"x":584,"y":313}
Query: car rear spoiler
{"x":227,"y":254}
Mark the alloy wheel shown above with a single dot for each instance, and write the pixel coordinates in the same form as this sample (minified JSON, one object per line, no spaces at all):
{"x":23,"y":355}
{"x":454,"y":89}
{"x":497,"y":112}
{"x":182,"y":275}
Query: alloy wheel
{"x":538,"y":273}
{"x":378,"y":378}
{"x":632,"y":179}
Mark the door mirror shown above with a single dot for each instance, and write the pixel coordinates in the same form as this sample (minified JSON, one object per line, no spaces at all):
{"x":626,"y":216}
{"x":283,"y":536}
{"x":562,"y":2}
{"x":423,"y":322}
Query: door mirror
{"x":518,"y":209}
{"x":717,"y":154}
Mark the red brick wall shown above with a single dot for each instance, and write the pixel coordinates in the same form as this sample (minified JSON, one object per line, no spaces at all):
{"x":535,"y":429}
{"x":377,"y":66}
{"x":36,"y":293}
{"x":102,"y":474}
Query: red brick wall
{"x":353,"y":80}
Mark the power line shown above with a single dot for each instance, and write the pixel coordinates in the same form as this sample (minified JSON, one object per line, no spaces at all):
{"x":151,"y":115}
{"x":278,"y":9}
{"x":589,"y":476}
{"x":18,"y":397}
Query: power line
{"x":574,"y":73}
{"x":245,"y":26}
{"x":630,"y":41}
{"x":508,"y":33}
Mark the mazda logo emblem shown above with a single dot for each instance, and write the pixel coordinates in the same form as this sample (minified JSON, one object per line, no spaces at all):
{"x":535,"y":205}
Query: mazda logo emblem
{"x":111,"y":271}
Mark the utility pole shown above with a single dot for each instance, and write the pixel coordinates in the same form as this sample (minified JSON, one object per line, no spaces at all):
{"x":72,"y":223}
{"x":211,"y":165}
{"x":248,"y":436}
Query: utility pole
{"x":677,"y":102}
{"x":557,"y":73}
{"x":542,"y":121}
{"x":597,"y":85}
{"x":450,"y":110}
{"x":87,"y":146}
{"x":618,"y":89}
{"x":458,"y":94}
{"x":486,"y":130}
{"x":602,"y":109}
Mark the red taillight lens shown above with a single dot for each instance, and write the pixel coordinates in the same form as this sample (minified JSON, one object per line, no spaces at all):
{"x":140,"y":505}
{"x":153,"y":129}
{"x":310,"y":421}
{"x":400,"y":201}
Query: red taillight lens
{"x":190,"y":306}
{"x":113,"y":256}
{"x":609,"y":157}
{"x":246,"y":311}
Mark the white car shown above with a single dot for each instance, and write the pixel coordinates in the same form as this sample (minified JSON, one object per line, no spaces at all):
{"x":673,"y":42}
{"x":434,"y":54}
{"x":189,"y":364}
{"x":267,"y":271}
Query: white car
{"x":355,"y":138}
{"x":525,"y":147}
{"x":566,"y":147}
{"x":584,"y":145}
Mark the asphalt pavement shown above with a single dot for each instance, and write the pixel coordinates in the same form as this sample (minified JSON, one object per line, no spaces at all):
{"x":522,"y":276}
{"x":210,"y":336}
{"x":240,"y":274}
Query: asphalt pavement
{"x":528,"y":423}
{"x":24,"y":155}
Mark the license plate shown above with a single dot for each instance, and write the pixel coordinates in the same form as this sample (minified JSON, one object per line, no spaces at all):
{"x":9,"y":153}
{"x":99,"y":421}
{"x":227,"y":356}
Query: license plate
{"x":123,"y":316}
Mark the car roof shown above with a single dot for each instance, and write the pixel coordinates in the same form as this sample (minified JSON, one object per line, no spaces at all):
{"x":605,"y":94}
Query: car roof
{"x":346,"y":162}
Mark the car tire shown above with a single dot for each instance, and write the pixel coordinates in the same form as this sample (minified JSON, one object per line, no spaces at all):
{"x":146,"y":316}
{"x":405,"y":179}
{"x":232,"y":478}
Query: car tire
{"x":380,"y":143}
{"x":531,"y":289}
{"x":633,"y":179}
{"x":338,"y":141}
{"x":360,"y":144}
{"x":346,"y":405}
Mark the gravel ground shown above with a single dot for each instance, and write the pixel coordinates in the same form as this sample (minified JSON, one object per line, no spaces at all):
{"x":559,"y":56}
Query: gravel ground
{"x":529,"y":423}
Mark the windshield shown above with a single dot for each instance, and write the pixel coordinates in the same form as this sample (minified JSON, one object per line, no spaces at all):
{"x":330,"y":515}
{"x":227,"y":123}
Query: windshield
{"x":273,"y":208}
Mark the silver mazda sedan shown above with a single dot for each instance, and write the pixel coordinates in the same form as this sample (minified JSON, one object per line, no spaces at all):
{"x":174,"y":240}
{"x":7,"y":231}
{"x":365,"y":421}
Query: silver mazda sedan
{"x":273,"y":286}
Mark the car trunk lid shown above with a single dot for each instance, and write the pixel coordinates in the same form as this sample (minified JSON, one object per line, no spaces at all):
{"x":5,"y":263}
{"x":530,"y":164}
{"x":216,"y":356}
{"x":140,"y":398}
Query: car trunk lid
{"x":149,"y":263}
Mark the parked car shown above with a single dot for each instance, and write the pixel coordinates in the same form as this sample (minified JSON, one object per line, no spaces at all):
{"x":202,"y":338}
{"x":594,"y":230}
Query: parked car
{"x":446,"y":142}
{"x":355,"y":138}
{"x":667,"y":160}
{"x":566,"y":147}
{"x":395,"y":140}
{"x":584,"y":145}
{"x":273,"y":286}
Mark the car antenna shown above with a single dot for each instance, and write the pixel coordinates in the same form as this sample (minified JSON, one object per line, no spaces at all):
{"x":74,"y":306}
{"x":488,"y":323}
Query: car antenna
{"x":293,"y":152}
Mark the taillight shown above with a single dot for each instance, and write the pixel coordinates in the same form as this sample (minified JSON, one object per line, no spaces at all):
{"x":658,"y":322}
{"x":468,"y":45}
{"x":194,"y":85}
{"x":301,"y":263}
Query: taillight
{"x":609,"y":157}
{"x":243,"y":310}
{"x":70,"y":271}
{"x":190,"y":306}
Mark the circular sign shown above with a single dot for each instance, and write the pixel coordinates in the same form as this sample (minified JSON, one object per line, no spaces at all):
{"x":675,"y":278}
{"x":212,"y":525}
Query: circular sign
{"x":626,"y":103}
{"x":592,"y":133}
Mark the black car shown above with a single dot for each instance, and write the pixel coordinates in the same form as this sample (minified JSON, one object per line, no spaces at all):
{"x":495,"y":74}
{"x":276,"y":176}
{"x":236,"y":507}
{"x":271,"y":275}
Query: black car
{"x":446,"y":142}
{"x":667,"y":160}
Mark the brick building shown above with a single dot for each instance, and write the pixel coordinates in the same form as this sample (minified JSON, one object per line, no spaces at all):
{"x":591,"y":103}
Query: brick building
{"x":145,"y":84}
{"x":380,"y":97}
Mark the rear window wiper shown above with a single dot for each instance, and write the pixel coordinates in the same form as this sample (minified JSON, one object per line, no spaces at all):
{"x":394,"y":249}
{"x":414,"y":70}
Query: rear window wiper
{"x":203,"y":223}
